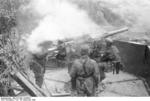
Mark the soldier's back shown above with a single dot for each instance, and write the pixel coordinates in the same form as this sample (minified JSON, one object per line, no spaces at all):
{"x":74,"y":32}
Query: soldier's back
{"x":84,"y":72}
{"x":89,"y":66}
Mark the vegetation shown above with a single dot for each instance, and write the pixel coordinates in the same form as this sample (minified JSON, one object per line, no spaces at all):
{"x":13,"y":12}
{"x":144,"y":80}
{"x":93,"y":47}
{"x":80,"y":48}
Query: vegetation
{"x":11,"y":57}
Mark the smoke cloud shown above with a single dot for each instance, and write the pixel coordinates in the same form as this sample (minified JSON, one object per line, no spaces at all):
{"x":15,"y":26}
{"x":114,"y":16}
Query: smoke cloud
{"x":50,"y":20}
{"x":135,"y":13}
{"x":60,"y":19}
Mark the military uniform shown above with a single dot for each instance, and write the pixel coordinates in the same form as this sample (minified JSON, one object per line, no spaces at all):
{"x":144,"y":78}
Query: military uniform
{"x":84,"y":74}
{"x":61,"y":50}
{"x":97,"y":48}
{"x":61,"y":56}
{"x":110,"y":55}
{"x":113,"y":56}
{"x":62,"y":53}
{"x":38,"y":67}
{"x":84,"y":77}
{"x":102,"y":67}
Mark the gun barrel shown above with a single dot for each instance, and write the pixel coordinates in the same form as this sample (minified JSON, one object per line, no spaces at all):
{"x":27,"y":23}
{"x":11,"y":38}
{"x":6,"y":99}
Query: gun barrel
{"x":52,"y":49}
{"x":111,"y":33}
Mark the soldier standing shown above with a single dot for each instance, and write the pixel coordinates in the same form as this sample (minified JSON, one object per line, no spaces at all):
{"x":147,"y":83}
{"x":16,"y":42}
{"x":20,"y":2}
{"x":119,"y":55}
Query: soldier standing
{"x":61,"y":56}
{"x":38,"y":67}
{"x":62,"y":50}
{"x":84,"y":74}
{"x":113,"y":56}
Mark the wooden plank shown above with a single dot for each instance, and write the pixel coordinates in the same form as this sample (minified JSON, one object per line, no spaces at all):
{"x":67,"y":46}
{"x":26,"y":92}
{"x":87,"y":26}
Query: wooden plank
{"x":27,"y":85}
{"x":36,"y":86}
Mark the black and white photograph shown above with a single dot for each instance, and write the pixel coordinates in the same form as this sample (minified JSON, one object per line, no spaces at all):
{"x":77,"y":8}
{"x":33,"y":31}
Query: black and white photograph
{"x":74,"y":48}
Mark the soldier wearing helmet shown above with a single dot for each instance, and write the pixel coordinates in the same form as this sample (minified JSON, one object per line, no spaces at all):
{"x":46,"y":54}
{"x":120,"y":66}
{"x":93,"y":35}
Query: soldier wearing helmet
{"x":84,"y":74}
{"x":113,"y":56}
{"x":61,"y":56}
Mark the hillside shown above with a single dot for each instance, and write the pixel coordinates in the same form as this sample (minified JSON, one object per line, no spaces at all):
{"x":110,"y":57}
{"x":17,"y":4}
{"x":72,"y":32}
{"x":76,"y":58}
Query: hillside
{"x":111,"y":15}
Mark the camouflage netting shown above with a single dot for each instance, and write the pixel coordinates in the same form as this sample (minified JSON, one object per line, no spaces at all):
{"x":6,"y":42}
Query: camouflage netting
{"x":12,"y":56}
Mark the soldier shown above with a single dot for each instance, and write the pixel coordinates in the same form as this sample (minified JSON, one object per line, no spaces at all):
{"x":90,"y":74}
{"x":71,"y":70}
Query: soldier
{"x":102,"y":67}
{"x":84,"y":74}
{"x":97,"y":47}
{"x":61,"y":56}
{"x":62,"y":50}
{"x":113,"y":56}
{"x":38,"y":67}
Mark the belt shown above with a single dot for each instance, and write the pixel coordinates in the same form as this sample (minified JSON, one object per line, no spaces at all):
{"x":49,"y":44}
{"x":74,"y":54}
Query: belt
{"x":85,"y":76}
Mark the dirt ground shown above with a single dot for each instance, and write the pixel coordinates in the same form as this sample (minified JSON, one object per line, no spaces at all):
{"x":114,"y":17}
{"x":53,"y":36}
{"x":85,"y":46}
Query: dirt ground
{"x":55,"y":81}
{"x":123,"y":84}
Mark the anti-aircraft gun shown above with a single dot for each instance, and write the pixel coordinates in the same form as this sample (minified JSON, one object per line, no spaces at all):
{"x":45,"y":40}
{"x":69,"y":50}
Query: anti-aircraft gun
{"x":111,"y":34}
{"x":52,"y":52}
{"x":115,"y":32}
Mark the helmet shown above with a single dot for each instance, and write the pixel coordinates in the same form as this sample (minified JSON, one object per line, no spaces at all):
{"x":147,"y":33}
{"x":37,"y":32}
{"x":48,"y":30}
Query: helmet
{"x":60,"y":42}
{"x":85,"y":50}
{"x":109,"y":42}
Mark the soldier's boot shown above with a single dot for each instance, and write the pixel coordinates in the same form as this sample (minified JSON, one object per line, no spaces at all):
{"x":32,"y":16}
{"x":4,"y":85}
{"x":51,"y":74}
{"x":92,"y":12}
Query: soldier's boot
{"x":113,"y":71}
{"x":117,"y":67}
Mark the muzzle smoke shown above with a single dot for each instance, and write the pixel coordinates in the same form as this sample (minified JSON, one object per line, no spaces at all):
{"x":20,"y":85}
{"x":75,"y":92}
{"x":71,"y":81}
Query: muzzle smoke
{"x":60,"y":19}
